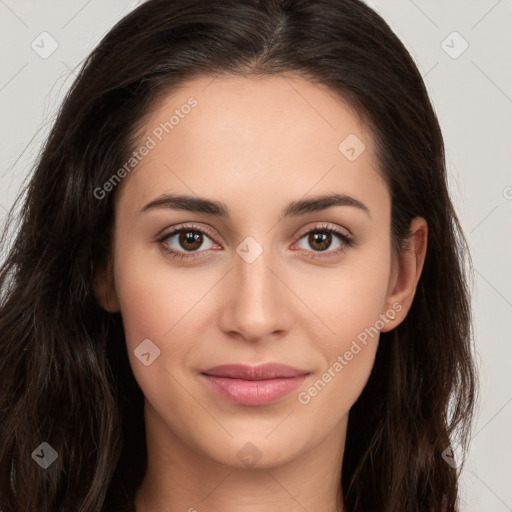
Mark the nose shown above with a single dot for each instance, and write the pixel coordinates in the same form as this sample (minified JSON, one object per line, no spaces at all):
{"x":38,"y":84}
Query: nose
{"x":258,"y":304}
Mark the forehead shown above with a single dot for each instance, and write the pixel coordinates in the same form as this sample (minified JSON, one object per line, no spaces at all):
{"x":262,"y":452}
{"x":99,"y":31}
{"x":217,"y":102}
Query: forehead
{"x":241,"y":137}
{"x":266,"y":113}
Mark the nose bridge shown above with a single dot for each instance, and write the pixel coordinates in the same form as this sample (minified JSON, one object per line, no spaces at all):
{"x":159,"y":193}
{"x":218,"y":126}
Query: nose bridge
{"x":252,"y":267}
{"x":255,"y":306}
{"x":255,"y":280}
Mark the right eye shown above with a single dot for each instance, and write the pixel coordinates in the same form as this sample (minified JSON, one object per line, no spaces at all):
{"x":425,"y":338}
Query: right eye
{"x":184,"y":241}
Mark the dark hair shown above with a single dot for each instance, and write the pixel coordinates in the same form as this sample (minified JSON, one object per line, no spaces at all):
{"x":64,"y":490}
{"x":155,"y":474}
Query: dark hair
{"x":65,"y":373}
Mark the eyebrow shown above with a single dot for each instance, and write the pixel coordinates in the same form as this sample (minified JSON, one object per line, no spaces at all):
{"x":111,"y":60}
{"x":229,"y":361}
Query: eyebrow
{"x":219,"y":209}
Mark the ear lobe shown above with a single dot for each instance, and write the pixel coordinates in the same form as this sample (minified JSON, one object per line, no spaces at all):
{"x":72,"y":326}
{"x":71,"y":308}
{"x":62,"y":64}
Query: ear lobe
{"x":104,"y":289}
{"x":407,"y":272}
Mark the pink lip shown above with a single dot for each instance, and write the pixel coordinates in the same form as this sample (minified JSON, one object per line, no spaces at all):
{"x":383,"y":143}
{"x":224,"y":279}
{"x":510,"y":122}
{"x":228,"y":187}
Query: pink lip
{"x":254,"y":385}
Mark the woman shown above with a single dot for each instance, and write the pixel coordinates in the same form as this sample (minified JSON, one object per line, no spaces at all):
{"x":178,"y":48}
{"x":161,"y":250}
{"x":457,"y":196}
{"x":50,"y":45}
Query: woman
{"x":238,"y":279}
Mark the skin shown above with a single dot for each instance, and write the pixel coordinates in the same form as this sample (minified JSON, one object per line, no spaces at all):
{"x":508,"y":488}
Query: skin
{"x":255,"y":145}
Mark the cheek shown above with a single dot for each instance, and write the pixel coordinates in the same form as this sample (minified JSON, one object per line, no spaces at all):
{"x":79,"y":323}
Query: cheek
{"x":152,"y":307}
{"x":349,"y":303}
{"x":153,"y":300}
{"x":348,"y":351}
{"x":161,"y":305}
{"x":347,"y":300}
{"x":142,"y":305}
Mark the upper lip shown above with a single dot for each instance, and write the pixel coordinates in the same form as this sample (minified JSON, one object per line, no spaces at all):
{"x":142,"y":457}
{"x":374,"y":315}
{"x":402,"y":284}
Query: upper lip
{"x":263,"y":371}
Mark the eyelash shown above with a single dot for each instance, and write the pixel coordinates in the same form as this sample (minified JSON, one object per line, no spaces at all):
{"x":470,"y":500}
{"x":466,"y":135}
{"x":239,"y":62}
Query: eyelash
{"x":347,"y":241}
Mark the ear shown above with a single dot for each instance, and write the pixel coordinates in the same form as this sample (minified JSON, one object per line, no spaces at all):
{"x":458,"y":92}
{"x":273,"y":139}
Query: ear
{"x":406,"y":273}
{"x":104,"y":288}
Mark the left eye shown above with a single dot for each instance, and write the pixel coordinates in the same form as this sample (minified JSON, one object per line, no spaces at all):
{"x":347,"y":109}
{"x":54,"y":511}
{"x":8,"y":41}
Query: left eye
{"x":321,"y":238}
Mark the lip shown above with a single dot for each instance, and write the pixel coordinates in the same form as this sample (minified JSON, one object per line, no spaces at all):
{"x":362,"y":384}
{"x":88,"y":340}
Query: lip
{"x":253,"y":385}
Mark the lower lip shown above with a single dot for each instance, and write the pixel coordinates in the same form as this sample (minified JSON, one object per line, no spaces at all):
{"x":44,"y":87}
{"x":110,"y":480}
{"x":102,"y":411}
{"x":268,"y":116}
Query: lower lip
{"x":254,"y":392}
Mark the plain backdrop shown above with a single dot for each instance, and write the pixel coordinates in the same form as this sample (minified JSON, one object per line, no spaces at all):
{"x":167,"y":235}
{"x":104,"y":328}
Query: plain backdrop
{"x":463,"y":49}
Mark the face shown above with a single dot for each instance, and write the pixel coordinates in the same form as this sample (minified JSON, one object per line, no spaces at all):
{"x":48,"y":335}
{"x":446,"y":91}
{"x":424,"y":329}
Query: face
{"x":264,"y":274}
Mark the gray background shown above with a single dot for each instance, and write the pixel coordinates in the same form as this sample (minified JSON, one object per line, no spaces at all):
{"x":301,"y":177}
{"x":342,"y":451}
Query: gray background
{"x":472,"y":94}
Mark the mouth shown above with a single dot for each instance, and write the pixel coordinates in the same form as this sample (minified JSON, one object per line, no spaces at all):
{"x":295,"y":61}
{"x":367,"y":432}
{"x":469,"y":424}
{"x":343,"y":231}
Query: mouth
{"x":253,"y":385}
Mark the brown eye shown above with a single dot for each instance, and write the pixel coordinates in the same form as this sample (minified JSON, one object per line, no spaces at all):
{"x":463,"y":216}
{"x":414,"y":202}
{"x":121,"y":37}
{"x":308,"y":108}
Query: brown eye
{"x":320,"y":240}
{"x":190,"y":240}
{"x":187,"y":241}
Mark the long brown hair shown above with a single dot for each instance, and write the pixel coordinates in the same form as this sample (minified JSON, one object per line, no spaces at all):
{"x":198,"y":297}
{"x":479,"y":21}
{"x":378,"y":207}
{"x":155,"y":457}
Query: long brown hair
{"x":65,"y":374}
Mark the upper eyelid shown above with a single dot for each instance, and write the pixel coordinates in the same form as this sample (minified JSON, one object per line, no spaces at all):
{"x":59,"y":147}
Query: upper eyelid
{"x":167,"y":233}
{"x":326,"y":226}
